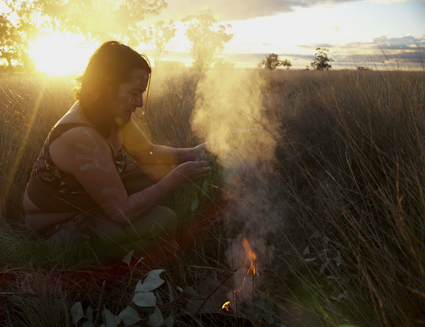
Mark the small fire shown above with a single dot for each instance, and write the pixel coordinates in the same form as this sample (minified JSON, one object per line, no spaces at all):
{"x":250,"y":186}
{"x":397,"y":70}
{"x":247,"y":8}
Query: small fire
{"x":246,"y":290}
{"x":251,"y":256}
{"x":226,"y":306}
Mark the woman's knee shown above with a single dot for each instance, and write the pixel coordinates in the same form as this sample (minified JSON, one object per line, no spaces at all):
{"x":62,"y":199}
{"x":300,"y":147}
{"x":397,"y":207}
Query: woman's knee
{"x":158,"y":222}
{"x":167,"y":220}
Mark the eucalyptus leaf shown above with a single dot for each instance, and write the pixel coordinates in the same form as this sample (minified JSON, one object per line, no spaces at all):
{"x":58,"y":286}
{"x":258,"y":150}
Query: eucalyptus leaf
{"x":77,"y":312}
{"x":337,"y":260}
{"x":306,"y":251}
{"x":341,"y":296}
{"x":88,"y":324}
{"x":110,"y":319}
{"x":316,"y":234}
{"x":170,"y":291}
{"x":144,"y":299}
{"x":323,"y":267}
{"x":169,"y":321}
{"x":156,"y":319}
{"x":195,"y":203}
{"x":310,"y":259}
{"x":127,"y":258}
{"x":89,"y":313}
{"x":151,"y":281}
{"x":129,"y":316}
{"x":205,"y":186}
{"x":189,"y":290}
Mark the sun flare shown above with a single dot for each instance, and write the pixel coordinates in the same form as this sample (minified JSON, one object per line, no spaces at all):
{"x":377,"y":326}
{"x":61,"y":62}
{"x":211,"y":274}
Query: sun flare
{"x":61,"y":54}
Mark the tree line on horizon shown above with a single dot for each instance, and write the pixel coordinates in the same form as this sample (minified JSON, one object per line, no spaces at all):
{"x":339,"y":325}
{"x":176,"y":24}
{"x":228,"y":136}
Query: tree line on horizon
{"x":320,"y":62}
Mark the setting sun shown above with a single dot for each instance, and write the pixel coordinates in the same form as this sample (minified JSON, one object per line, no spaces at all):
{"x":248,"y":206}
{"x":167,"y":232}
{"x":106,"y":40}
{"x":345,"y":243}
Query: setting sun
{"x":61,"y":54}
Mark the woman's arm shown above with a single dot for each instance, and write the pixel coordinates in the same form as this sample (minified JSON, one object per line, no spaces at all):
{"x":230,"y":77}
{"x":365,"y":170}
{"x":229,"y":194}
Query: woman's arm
{"x":146,"y":153}
{"x":83,"y":153}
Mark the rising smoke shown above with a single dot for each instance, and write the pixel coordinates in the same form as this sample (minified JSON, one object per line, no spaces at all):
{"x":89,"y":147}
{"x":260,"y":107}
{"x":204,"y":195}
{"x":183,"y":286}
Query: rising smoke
{"x":229,"y":114}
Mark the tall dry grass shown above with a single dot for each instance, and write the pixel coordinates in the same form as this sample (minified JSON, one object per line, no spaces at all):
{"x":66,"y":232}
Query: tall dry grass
{"x":347,"y":183}
{"x":351,"y":173}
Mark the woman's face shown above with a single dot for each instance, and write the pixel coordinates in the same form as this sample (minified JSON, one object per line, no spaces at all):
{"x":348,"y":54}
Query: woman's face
{"x":129,"y":96}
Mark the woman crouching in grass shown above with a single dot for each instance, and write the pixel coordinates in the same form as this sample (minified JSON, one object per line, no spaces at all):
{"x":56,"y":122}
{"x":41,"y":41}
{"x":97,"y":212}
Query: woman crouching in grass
{"x":81,"y":186}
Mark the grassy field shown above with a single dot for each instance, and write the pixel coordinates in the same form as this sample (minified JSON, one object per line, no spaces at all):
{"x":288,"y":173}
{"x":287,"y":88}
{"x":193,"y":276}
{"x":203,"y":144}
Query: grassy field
{"x":322,"y":173}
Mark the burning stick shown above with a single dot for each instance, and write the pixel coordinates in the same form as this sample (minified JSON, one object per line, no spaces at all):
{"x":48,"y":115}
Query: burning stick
{"x":251,"y":257}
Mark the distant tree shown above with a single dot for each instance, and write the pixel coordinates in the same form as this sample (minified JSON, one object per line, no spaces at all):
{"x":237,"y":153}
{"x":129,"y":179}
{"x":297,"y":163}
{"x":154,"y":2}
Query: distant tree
{"x":321,"y":60}
{"x":272,"y":61}
{"x":158,"y":35}
{"x":362,"y":68}
{"x":9,"y":41}
{"x":207,"y":38}
{"x":286,"y":63}
{"x":14,"y":44}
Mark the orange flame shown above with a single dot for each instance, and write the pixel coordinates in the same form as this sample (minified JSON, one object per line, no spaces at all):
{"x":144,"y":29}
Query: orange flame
{"x":242,"y":292}
{"x":250,"y":255}
{"x":226,"y":306}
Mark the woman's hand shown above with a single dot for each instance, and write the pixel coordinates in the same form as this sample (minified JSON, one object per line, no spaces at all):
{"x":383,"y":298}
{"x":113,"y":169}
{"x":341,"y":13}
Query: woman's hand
{"x":203,"y":148}
{"x":193,"y":171}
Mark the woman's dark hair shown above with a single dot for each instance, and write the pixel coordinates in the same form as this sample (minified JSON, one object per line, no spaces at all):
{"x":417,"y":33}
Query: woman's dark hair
{"x":110,"y":65}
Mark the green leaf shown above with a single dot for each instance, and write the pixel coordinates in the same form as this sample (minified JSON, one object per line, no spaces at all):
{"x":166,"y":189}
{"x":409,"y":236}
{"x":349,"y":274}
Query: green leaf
{"x":306,"y":251}
{"x":316,"y":234}
{"x":169,"y":321}
{"x":110,"y":319}
{"x":195,"y":203}
{"x":170,"y":291}
{"x":88,"y":324}
{"x":127,"y":258}
{"x":89,"y":313}
{"x":337,"y":260}
{"x":205,"y":186}
{"x":77,"y":312}
{"x":341,"y":296}
{"x":323,"y":267}
{"x":144,"y":299}
{"x":151,"y":282}
{"x":156,"y":319}
{"x":309,"y":259}
{"x":189,"y":290}
{"x":129,"y":316}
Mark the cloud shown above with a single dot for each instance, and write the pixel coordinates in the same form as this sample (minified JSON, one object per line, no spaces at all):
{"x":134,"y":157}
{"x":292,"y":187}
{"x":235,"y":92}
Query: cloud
{"x":239,"y":9}
{"x":406,"y":42}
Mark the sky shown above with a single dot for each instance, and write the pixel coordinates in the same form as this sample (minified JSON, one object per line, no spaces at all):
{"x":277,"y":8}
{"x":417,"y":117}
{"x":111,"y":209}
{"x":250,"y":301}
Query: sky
{"x":357,"y":33}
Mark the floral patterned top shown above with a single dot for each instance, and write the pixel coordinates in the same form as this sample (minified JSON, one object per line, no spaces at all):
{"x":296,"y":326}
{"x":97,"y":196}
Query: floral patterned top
{"x":49,"y":174}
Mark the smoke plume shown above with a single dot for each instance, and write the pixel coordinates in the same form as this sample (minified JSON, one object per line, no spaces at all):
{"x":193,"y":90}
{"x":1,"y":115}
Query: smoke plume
{"x":230,"y":116}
